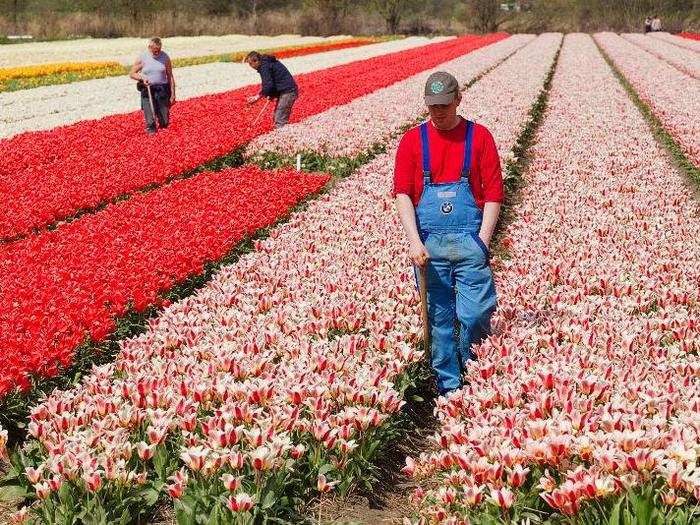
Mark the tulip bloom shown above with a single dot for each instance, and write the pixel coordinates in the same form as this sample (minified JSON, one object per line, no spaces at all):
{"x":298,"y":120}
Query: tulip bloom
{"x":504,"y":497}
{"x":231,"y":483}
{"x":241,"y":502}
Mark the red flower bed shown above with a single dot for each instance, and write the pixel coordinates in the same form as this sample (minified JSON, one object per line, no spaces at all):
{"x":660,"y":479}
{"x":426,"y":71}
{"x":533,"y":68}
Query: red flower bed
{"x":322,"y":48}
{"x":50,"y":175}
{"x":60,"y":286}
{"x":691,"y":36}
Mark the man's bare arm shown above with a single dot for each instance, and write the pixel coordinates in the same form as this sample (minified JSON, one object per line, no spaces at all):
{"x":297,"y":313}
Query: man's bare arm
{"x":407,"y":213}
{"x":135,"y":72}
{"x":488,"y":224}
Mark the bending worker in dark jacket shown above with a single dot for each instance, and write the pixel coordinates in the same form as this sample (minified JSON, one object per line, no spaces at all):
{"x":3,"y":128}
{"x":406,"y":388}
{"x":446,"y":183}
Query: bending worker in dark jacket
{"x":277,"y":82}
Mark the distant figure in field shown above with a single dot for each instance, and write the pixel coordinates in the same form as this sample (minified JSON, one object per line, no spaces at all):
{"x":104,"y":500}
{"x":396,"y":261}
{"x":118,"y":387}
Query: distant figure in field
{"x":656,"y":24}
{"x":647,"y":25}
{"x":153,"y":70}
{"x":277,"y":83}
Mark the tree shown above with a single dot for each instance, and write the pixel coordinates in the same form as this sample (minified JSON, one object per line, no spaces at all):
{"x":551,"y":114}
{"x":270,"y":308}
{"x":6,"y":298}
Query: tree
{"x":485,"y":14}
{"x":216,"y":7}
{"x":331,"y":12}
{"x":14,"y":8}
{"x":392,"y":11}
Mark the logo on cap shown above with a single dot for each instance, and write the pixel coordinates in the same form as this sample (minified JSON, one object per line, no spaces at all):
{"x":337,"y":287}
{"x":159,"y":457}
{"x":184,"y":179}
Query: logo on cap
{"x":437,"y":87}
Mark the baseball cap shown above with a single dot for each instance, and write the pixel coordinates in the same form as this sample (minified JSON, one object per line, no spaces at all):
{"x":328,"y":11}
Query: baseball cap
{"x":441,"y":88}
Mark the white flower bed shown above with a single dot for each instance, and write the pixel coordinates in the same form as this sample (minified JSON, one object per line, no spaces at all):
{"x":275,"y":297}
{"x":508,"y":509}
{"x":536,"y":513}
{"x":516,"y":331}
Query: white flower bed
{"x":125,"y":50}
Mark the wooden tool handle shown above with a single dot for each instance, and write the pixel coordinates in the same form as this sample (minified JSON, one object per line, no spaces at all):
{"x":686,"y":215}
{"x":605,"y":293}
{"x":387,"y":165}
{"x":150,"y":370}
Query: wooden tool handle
{"x":424,"y":308}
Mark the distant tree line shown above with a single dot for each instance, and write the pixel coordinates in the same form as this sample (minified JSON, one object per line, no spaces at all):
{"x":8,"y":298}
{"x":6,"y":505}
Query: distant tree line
{"x":342,"y":16}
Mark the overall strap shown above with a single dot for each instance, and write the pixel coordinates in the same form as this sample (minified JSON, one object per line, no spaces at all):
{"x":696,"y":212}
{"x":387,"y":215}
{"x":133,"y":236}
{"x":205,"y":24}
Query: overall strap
{"x":468,"y":151}
{"x":426,"y":153}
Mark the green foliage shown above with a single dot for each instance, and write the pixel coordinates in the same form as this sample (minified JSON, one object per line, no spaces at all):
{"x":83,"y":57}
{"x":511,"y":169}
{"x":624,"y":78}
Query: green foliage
{"x":484,"y":15}
{"x":168,"y":17}
{"x":392,"y":11}
{"x":315,"y":162}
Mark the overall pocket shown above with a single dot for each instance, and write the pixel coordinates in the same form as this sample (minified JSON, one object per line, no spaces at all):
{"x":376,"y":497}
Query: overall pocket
{"x":481,"y":245}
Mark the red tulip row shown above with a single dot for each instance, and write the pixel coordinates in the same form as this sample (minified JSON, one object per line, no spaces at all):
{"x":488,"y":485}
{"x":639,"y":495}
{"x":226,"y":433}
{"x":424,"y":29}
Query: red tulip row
{"x":690,"y":36}
{"x":320,"y":48}
{"x":63,"y":285}
{"x":51,"y":175}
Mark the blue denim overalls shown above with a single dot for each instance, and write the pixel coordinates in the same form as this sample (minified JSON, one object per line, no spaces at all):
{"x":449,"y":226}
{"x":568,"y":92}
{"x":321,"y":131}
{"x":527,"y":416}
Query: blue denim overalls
{"x":459,"y":280}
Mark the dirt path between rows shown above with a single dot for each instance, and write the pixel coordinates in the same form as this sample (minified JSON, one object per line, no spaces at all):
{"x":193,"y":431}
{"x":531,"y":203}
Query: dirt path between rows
{"x":388,"y":502}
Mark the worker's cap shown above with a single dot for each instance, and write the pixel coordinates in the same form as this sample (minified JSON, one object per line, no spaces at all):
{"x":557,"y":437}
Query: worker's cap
{"x":441,"y":88}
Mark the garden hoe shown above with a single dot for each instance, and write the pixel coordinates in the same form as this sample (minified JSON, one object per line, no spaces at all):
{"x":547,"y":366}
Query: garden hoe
{"x":267,"y":101}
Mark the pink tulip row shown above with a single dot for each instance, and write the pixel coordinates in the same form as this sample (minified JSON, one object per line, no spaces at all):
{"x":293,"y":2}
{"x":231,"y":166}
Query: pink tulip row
{"x":673,"y":96}
{"x":502,"y":99}
{"x":678,"y":40}
{"x":355,"y":127}
{"x":686,"y":60}
{"x":296,"y":353}
{"x":590,"y":384}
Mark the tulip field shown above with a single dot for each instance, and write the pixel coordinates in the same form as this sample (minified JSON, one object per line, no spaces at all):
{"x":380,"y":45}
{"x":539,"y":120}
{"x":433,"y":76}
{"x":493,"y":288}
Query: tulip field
{"x":219,"y":324}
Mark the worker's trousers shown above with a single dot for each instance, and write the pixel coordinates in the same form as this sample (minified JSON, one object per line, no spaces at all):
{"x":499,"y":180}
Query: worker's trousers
{"x":283,"y":108}
{"x":161,"y":103}
{"x":460,"y":287}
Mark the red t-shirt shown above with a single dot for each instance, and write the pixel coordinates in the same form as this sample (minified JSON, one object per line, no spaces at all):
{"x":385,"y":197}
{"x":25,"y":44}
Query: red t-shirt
{"x":446,"y":161}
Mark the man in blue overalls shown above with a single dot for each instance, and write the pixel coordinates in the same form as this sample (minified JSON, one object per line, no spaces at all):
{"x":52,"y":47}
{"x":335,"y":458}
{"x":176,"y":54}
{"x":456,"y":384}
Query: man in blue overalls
{"x":449,"y":189}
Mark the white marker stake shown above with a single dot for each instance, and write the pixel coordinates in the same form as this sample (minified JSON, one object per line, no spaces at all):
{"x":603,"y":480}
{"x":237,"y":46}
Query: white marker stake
{"x":299,"y":162}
